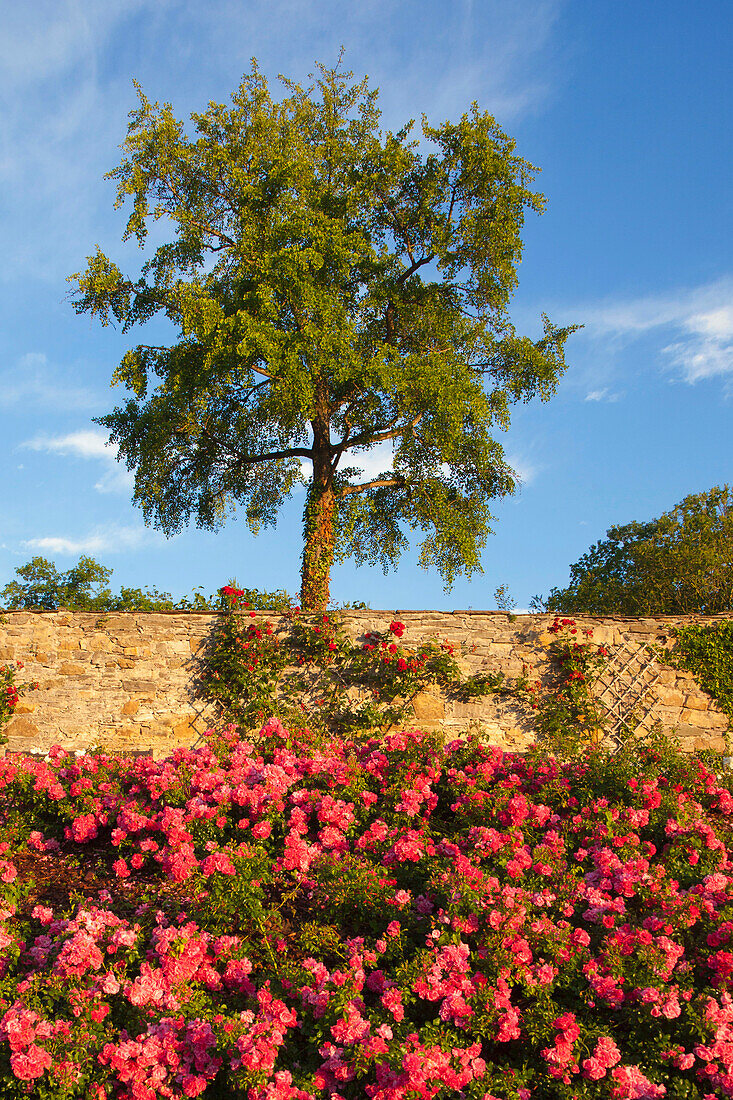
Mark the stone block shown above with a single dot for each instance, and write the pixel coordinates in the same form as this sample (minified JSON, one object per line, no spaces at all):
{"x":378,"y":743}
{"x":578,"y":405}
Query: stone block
{"x":132,"y":706}
{"x":697,"y":702}
{"x":124,"y":662}
{"x":712,"y":741}
{"x":670,"y":698}
{"x":426,"y":706}
{"x":25,"y":708}
{"x":697,"y":718}
{"x":21,"y":727}
{"x":49,"y":685}
{"x":186,"y":728}
{"x":71,"y":668}
{"x":169,"y":720}
{"x":668,"y":716}
{"x":128,"y":732}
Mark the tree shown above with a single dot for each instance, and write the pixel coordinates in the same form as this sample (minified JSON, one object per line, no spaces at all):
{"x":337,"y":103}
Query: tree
{"x":679,"y":564}
{"x":43,"y":588}
{"x":83,"y":588}
{"x":333,"y":288}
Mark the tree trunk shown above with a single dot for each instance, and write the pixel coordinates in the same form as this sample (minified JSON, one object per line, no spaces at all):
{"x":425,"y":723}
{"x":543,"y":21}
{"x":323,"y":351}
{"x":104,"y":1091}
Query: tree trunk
{"x":318,"y":534}
{"x":318,"y":547}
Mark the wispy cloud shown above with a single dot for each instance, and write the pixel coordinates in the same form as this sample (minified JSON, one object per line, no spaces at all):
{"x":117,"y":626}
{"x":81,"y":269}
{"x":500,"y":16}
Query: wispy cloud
{"x":89,"y":444}
{"x":602,"y":395}
{"x":525,"y":470}
{"x":33,"y":378}
{"x":66,"y":68}
{"x":695,"y":327}
{"x":109,"y":539}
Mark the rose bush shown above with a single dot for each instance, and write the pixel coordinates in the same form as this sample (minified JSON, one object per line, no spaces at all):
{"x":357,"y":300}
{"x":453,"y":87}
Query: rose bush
{"x":10,"y":693}
{"x":569,"y":716}
{"x":310,"y":673}
{"x":279,"y":919}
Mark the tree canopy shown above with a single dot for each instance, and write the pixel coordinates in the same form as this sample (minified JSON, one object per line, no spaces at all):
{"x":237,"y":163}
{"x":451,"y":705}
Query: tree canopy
{"x":84,"y":587}
{"x":679,"y":564}
{"x":333,"y":288}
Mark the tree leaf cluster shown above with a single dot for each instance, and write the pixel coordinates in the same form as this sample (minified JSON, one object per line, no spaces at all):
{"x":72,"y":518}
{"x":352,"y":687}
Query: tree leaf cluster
{"x":678,"y":564}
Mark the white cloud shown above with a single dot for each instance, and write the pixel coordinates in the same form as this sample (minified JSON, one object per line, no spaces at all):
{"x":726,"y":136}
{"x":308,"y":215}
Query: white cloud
{"x":33,"y":379}
{"x":697,"y":325}
{"x":109,"y":539}
{"x":373,"y":462}
{"x":85,"y":444}
{"x":602,"y":395}
{"x":92,"y":445}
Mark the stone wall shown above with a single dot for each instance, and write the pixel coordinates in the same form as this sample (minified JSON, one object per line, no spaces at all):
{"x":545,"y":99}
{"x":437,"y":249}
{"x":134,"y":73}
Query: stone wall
{"x":130,"y":681}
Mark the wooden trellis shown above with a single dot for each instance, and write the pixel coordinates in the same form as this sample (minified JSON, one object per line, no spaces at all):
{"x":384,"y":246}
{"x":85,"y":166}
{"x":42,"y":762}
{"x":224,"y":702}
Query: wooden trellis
{"x":625,"y":687}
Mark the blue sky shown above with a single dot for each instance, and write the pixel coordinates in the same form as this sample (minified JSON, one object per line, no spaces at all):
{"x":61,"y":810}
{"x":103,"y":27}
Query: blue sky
{"x":625,"y":106}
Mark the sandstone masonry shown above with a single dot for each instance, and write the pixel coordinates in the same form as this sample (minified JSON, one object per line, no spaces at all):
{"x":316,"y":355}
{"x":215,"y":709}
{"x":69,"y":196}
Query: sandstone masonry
{"x":131,"y":681}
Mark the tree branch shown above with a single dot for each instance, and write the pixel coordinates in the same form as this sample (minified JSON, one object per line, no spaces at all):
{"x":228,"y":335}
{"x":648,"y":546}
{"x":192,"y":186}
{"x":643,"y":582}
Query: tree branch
{"x":288,"y":452}
{"x":223,"y":237}
{"x":349,"y":490}
{"x":259,"y":370}
{"x":258,"y":459}
{"x":381,"y":436}
{"x":414,"y":266}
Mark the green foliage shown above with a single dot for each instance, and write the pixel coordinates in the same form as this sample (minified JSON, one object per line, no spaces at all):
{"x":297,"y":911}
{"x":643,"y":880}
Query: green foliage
{"x":84,"y":588}
{"x":42,"y":587}
{"x":679,"y":564}
{"x":333,"y":287}
{"x":707,"y":652}
{"x":505,"y":601}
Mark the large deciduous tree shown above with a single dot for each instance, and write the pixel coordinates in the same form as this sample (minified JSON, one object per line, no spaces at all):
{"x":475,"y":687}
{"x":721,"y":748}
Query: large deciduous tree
{"x":333,"y":288}
{"x":679,"y":564}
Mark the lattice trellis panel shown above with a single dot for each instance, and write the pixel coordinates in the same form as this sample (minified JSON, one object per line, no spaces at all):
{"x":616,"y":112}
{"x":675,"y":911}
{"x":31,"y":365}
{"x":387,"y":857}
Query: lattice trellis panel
{"x":625,"y":686}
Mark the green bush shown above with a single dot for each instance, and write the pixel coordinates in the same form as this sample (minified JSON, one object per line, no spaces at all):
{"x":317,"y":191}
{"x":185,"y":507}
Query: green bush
{"x":707,"y":652}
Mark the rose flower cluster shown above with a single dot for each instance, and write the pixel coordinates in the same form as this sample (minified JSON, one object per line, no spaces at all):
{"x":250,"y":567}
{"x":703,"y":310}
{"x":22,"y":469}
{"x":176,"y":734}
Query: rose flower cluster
{"x":392,"y":919}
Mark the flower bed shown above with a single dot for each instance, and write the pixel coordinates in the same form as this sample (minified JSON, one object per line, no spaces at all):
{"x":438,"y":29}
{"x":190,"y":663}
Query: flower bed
{"x":288,"y":919}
